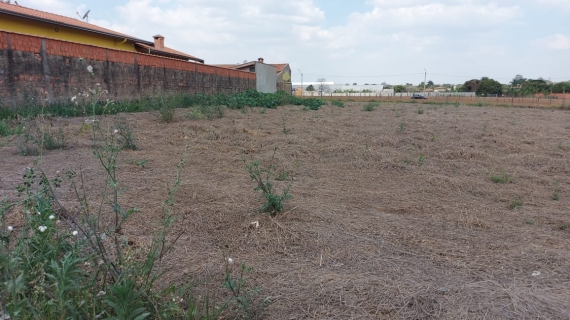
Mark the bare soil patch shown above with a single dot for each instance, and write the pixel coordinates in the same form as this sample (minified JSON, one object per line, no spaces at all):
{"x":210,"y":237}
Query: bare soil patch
{"x":394,"y":212}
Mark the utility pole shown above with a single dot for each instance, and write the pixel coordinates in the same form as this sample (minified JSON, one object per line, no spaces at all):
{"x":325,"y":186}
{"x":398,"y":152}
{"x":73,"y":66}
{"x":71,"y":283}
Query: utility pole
{"x":425,"y":79}
{"x":302,"y":89}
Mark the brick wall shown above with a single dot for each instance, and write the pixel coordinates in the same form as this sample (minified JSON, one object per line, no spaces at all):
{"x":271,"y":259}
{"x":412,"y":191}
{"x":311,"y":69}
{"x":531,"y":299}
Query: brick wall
{"x":33,"y":68}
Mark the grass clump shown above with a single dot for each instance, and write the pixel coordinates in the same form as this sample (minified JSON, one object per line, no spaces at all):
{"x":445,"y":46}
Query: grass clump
{"x":401,"y":127}
{"x":206,"y":112}
{"x":515,"y":204}
{"x":371,"y":106}
{"x":37,"y":135}
{"x":556,"y":194}
{"x":263,"y":177}
{"x":501,"y":177}
{"x":166,"y":109}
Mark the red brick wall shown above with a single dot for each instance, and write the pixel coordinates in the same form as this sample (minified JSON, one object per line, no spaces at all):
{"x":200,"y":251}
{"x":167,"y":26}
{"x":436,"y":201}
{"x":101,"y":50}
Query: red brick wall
{"x":33,"y":68}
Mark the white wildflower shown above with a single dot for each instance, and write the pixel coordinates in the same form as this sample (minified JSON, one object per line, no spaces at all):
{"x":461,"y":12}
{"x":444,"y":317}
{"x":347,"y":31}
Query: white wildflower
{"x":116,"y":131}
{"x":42,"y":228}
{"x":10,"y":228}
{"x":73,"y":98}
{"x":101,"y":293}
{"x":39,"y":213}
{"x":230,"y":261}
{"x":75,"y":232}
{"x":536,"y":273}
{"x":90,"y":69}
{"x":51,"y":217}
{"x":98,"y":84}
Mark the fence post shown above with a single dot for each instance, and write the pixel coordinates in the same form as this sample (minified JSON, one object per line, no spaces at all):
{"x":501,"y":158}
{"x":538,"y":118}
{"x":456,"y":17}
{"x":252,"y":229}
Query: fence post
{"x":563,"y":98}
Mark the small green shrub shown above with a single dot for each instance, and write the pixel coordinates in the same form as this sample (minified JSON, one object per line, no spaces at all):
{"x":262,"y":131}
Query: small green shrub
{"x":371,"y":106}
{"x":126,"y":137}
{"x":501,"y":177}
{"x":420,"y":111}
{"x":401,"y":127}
{"x":244,"y":299}
{"x":262,"y":177}
{"x":515,"y":204}
{"x":421,"y":159}
{"x":5,"y":129}
{"x":166,"y":109}
{"x":283,"y":175}
{"x":37,"y":135}
{"x":338,"y":103}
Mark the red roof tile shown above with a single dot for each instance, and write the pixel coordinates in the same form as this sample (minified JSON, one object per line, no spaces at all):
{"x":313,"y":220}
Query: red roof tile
{"x":278,"y":67}
{"x":20,"y":11}
{"x":169,"y":52}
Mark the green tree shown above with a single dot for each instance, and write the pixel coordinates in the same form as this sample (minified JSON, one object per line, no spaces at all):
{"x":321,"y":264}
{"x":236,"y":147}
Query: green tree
{"x":518,"y":80}
{"x":531,"y":87}
{"x":399,"y":88}
{"x":482,"y":87}
{"x":310,"y":88}
{"x":430,"y":84}
{"x":489,"y":86}
{"x":561,"y":87}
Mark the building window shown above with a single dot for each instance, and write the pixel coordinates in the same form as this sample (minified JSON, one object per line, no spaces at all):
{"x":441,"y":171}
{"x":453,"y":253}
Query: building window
{"x":251,"y":69}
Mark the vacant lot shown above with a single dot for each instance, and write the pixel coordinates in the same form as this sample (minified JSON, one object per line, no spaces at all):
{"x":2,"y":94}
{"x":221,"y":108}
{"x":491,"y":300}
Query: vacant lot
{"x":406,"y":211}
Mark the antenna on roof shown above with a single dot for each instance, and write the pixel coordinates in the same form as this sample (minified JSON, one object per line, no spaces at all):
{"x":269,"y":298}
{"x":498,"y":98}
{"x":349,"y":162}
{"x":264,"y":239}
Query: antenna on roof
{"x":85,"y":16}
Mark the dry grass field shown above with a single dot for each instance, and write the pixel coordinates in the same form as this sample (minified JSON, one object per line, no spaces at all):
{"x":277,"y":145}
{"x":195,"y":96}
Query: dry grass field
{"x":408,"y":211}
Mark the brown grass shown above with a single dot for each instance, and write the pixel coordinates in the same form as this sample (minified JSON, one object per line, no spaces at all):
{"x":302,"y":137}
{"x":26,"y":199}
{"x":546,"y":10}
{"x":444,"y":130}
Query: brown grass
{"x":370,"y":232}
{"x":524,"y":102}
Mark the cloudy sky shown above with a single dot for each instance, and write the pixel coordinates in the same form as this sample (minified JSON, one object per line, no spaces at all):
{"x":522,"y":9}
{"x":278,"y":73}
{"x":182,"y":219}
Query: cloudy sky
{"x":347,"y":41}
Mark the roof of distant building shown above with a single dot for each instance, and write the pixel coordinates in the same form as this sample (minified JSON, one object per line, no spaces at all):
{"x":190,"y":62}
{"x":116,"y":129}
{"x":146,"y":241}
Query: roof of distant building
{"x":278,"y":67}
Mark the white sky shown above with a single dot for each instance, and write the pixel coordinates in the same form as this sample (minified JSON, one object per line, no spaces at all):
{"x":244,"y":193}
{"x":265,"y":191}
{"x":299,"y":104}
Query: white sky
{"x":349,"y":41}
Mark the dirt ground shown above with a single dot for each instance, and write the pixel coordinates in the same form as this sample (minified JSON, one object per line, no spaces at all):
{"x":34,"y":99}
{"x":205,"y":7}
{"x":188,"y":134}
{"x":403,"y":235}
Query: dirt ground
{"x":393,"y":214}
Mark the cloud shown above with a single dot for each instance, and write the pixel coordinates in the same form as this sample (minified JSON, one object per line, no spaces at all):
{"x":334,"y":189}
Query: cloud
{"x":559,"y":3}
{"x":60,"y":7}
{"x":555,"y":42}
{"x":459,"y":14}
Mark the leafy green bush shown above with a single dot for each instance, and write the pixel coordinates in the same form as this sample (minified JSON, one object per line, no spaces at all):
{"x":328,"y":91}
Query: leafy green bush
{"x":262,"y":177}
{"x":338,"y":103}
{"x":370,"y":106}
{"x":164,"y":103}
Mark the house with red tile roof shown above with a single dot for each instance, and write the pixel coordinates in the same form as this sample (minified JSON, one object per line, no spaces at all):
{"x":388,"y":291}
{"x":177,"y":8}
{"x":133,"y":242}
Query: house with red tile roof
{"x":23,"y":20}
{"x":283,"y":71}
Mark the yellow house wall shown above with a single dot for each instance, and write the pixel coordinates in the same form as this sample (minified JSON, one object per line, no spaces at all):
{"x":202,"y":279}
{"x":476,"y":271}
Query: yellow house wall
{"x":54,"y":31}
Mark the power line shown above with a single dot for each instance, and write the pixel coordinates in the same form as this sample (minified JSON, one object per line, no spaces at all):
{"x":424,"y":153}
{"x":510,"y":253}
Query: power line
{"x":376,"y":76}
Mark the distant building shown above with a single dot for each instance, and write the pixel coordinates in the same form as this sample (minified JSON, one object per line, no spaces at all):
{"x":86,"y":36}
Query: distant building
{"x":372,"y":88}
{"x":282,"y":70}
